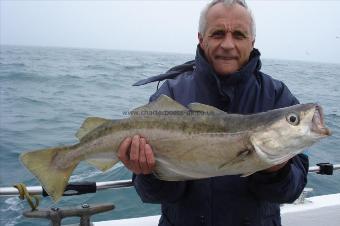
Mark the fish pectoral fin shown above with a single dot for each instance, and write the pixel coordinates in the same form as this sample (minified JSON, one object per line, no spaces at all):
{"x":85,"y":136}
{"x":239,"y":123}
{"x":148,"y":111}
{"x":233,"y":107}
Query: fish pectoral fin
{"x":102,"y":164}
{"x":247,"y":174}
{"x":162,"y":103}
{"x":205,"y":108}
{"x":241,"y":156}
{"x":90,"y":124}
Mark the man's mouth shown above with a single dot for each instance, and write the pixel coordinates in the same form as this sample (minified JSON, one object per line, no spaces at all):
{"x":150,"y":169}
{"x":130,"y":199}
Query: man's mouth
{"x":226,"y":57}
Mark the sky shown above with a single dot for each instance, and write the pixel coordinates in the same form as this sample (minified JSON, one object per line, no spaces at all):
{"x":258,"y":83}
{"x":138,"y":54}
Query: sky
{"x":296,"y":30}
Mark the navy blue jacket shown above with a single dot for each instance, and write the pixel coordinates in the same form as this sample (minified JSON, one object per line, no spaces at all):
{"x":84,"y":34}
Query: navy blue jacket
{"x":225,"y":200}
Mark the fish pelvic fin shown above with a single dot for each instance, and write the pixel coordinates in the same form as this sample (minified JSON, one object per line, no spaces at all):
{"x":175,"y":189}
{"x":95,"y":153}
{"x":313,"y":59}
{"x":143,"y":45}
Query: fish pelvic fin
{"x":247,"y":174}
{"x":103,"y":164}
{"x":52,"y":176}
{"x":90,"y":124}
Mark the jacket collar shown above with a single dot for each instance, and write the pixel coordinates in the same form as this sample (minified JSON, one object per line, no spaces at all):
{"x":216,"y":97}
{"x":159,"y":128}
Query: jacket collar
{"x":224,"y":83}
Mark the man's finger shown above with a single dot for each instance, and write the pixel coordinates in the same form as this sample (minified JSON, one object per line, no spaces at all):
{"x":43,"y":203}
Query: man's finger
{"x":142,"y":158}
{"x":134,"y":154}
{"x":123,"y":151}
{"x":150,"y":159}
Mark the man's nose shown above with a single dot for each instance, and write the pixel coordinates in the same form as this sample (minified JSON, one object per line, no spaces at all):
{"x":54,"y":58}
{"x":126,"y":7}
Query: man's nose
{"x":228,"y":41}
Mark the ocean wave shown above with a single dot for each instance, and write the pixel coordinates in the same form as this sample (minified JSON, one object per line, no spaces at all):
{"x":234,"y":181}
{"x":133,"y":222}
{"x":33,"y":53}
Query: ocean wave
{"x":334,"y":123}
{"x":31,"y":101}
{"x":12,"y":207}
{"x":102,"y":76}
{"x":78,"y":114}
{"x":133,"y":66}
{"x":333,"y":120}
{"x":12,"y":65}
{"x":23,"y":76}
{"x":14,"y":204}
{"x":333,"y":115}
{"x":97,"y":67}
{"x":69,"y":77}
{"x":49,"y":119}
{"x":68,"y":86}
{"x":59,"y":92}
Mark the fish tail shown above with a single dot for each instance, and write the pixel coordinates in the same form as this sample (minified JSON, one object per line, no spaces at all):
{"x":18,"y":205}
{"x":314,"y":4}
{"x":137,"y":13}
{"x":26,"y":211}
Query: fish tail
{"x":46,"y":165}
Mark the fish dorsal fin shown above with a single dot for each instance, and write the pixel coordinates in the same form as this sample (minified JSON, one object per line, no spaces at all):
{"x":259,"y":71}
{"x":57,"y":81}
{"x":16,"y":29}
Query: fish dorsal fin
{"x":162,"y":103}
{"x":205,"y":108}
{"x":88,"y":125}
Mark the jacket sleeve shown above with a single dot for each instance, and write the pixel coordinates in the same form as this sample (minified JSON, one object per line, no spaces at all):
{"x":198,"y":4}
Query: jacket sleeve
{"x":149,"y":188}
{"x":152,"y":190}
{"x":286,"y":184}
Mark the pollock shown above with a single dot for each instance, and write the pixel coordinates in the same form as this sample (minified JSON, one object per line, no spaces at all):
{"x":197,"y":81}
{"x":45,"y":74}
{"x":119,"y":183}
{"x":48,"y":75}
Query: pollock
{"x":193,"y":142}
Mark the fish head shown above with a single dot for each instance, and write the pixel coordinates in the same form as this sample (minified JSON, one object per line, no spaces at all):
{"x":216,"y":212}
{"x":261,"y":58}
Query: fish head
{"x":288,"y":131}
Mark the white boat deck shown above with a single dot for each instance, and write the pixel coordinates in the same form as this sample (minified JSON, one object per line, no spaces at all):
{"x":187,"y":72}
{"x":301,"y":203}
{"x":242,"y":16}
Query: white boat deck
{"x":316,"y":211}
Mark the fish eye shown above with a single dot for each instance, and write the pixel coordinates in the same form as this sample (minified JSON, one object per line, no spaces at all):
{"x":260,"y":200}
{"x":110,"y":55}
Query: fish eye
{"x":293,"y":118}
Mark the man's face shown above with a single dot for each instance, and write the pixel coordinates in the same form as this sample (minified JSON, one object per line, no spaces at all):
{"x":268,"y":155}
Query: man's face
{"x":227,"y":41}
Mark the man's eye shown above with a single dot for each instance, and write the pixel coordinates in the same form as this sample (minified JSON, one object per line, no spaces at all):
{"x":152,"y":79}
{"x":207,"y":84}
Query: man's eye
{"x":218,"y":34}
{"x":239,"y":35}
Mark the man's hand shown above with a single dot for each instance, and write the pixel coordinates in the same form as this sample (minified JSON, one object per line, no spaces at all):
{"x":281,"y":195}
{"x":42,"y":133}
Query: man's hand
{"x":137,"y":155}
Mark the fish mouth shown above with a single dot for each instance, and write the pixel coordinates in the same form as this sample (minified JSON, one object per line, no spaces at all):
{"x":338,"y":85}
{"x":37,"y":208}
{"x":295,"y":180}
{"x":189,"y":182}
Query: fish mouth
{"x":318,"y":125}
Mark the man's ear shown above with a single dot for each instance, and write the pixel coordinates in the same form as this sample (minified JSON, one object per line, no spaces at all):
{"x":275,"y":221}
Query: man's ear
{"x":200,"y":39}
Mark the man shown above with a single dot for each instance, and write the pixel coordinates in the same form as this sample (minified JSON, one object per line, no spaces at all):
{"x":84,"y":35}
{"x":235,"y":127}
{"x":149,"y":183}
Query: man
{"x":225,"y":74}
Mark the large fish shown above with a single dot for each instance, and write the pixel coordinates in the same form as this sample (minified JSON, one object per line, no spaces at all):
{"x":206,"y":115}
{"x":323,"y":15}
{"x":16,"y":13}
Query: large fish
{"x":197,"y":141}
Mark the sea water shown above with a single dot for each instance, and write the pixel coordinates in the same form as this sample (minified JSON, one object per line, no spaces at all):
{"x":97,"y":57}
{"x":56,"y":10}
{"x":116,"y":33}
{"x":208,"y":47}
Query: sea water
{"x":46,"y":93}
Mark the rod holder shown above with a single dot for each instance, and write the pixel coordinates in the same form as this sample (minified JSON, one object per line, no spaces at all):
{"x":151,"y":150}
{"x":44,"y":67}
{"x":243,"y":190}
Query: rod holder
{"x":325,"y":168}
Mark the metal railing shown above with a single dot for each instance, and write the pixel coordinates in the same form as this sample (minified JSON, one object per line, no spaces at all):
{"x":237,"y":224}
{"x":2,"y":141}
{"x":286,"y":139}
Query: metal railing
{"x":71,"y":189}
{"x":92,"y":187}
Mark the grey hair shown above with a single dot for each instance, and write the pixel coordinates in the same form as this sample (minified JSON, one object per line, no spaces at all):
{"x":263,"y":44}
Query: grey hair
{"x":203,"y":17}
